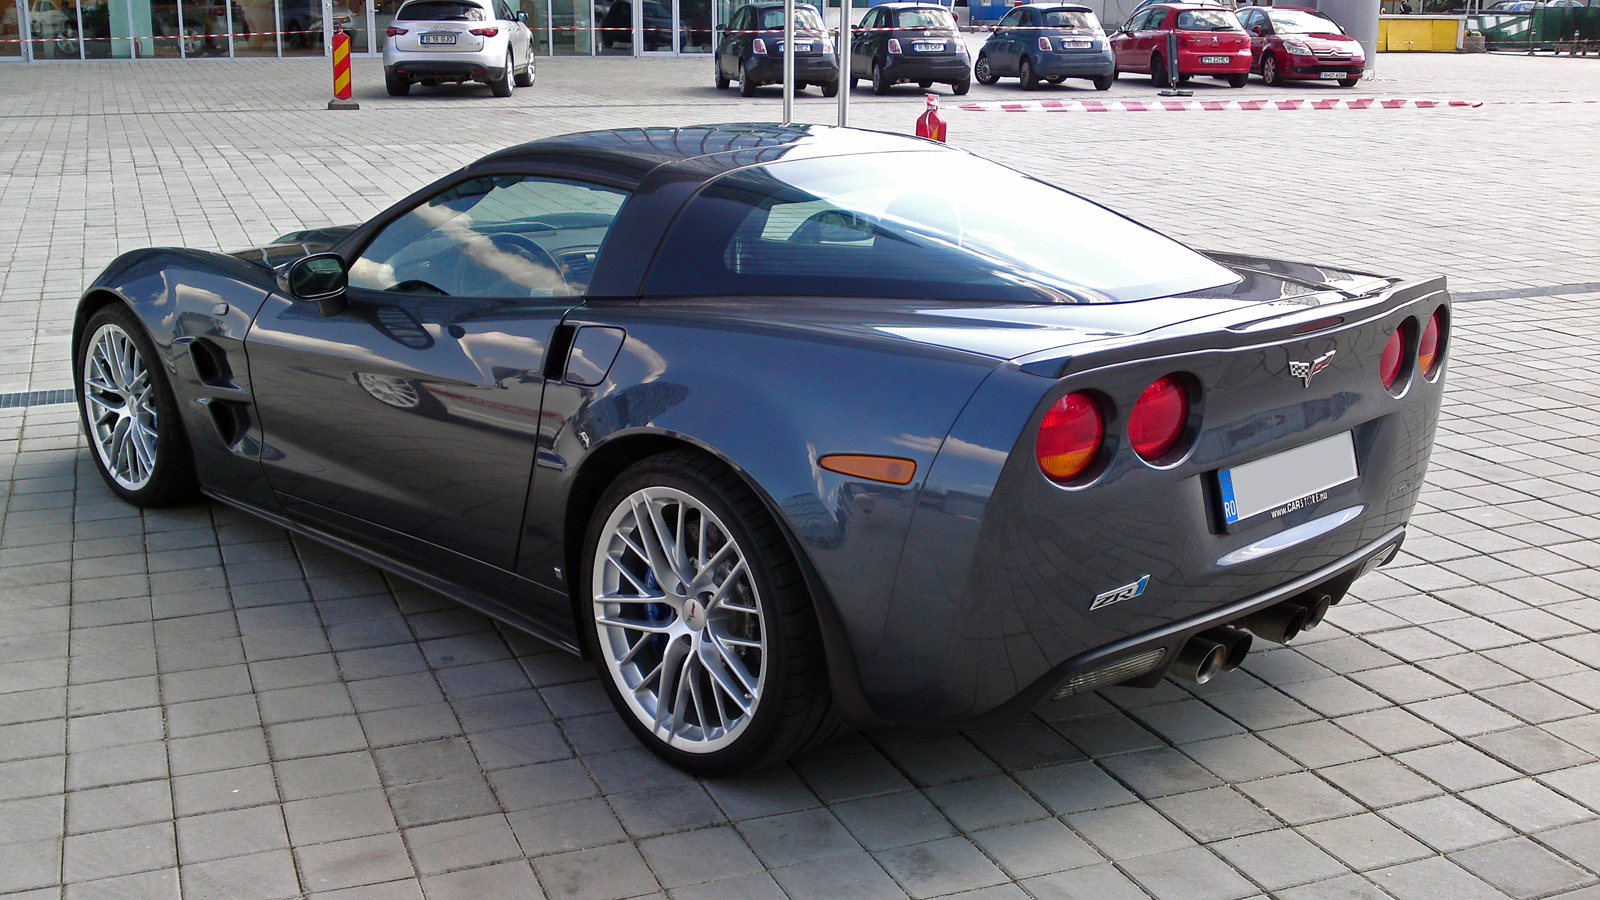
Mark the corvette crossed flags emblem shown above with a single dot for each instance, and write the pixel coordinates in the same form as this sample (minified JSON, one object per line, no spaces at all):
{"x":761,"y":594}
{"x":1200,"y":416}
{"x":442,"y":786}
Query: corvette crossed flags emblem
{"x":1308,"y":370}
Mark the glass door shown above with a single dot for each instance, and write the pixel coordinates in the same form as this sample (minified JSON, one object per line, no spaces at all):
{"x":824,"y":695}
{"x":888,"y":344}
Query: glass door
{"x":694,"y":26}
{"x":655,"y":27}
{"x":11,"y":45}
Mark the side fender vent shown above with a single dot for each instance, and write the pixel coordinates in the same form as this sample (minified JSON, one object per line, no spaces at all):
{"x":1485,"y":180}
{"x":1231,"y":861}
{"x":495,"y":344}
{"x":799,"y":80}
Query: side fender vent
{"x":210,"y":363}
{"x":232,"y":420}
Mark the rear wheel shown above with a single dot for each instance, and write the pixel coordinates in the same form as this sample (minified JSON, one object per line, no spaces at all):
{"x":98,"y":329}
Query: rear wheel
{"x":525,"y":75}
{"x":129,"y":414}
{"x":961,"y":87}
{"x":982,"y":71}
{"x":721,"y":79}
{"x":1158,"y":71}
{"x":398,"y":85}
{"x":702,"y":629}
{"x":830,"y":88}
{"x":1239,"y":80}
{"x":1269,"y":70}
{"x":747,"y":84}
{"x":1030,"y":79}
{"x":880,"y":81}
{"x":1104,"y":82}
{"x":502,"y":86}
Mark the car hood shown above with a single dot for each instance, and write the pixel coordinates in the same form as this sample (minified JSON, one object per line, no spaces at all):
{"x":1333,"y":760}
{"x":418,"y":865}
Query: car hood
{"x":294,"y":245}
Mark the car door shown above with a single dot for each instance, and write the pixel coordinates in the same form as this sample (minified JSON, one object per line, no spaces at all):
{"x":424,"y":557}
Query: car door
{"x":515,"y":39}
{"x":1003,"y":58}
{"x":1123,"y":43}
{"x":410,"y":417}
{"x":733,"y":40}
{"x":867,"y":41}
{"x":1152,"y":36}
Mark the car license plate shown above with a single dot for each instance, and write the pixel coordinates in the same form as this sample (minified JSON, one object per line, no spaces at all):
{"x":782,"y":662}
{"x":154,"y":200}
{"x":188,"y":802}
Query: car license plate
{"x":438,"y":38}
{"x":1332,"y":76}
{"x":1214,"y":60}
{"x":1287,"y":481}
{"x":927,"y":46}
{"x":799,"y":46}
{"x":1075,"y":45}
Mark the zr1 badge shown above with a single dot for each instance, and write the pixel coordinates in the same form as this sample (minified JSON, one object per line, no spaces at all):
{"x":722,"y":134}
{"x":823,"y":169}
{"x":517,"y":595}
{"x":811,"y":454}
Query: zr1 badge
{"x":1126,"y":592}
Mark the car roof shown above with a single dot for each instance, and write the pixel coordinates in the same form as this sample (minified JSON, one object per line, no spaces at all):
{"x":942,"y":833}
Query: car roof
{"x":1293,"y":9}
{"x":914,"y":4}
{"x":1070,"y":7}
{"x":633,"y":152}
{"x":768,"y":4}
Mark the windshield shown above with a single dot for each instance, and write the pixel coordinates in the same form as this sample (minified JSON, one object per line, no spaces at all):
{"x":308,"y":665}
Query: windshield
{"x":805,"y":18}
{"x":933,"y":17}
{"x":440,"y":11}
{"x":1208,"y":20}
{"x":1066,"y":18}
{"x":901,"y":225}
{"x":1298,"y":22}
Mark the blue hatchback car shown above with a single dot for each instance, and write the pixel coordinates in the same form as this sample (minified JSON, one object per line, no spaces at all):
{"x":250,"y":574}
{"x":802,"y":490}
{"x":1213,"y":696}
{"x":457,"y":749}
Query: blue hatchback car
{"x":1051,"y":41}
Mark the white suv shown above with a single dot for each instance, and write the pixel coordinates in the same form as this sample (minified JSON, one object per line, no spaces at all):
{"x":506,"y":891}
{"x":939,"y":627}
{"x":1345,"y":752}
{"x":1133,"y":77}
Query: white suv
{"x":435,"y":41}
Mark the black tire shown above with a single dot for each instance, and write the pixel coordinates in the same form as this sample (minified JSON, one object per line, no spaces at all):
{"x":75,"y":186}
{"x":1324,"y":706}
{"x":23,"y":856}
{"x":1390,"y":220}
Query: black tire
{"x":172,"y":478}
{"x":1349,"y":82}
{"x":794,"y":709}
{"x":1158,"y":71}
{"x":982,"y":71}
{"x":854,"y":82}
{"x":1030,"y":78}
{"x":924,"y":84}
{"x":1239,"y":80}
{"x":398,"y":85}
{"x":961,"y":87}
{"x":1184,"y":79}
{"x":502,"y":85}
{"x":880,"y":81}
{"x":1269,"y":70}
{"x":1104,"y":82}
{"x":525,"y":76}
{"x":747,"y":84}
{"x":720,"y":79}
{"x":1056,"y":79}
{"x":830,"y":88}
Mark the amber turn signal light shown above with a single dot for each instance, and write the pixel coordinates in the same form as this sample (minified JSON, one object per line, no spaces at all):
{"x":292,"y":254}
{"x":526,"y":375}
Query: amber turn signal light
{"x":889,"y":469}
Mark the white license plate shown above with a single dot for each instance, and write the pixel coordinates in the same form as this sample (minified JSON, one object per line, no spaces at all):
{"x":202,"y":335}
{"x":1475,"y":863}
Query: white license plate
{"x":1214,"y":60}
{"x":438,"y":39}
{"x":1287,"y":481}
{"x":798,"y":46}
{"x":1075,"y":45}
{"x":1332,"y":76}
{"x":927,"y":46}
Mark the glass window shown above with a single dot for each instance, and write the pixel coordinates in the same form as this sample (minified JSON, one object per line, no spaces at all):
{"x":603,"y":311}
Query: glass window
{"x":1208,"y":20}
{"x":1068,"y":18}
{"x":1011,"y":19}
{"x":932,"y":17}
{"x":441,"y":11}
{"x":500,"y":236}
{"x":890,"y":225}
{"x":805,"y":18}
{"x":1298,"y":21}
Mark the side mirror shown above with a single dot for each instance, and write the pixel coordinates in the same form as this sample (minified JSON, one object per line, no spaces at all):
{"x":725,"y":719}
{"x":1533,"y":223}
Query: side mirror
{"x":320,"y":278}
{"x":522,"y":16}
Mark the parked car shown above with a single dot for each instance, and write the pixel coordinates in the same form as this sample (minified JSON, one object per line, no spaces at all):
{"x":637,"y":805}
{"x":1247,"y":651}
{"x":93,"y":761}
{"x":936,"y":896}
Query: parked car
{"x":437,"y":41}
{"x":1210,"y":42}
{"x":1049,"y":41}
{"x":1291,"y":43}
{"x":781,"y":429}
{"x":750,"y":49}
{"x":914,"y":43}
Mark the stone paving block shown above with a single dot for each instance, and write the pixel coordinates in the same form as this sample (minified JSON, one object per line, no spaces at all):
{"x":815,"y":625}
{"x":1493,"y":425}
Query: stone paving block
{"x":1278,"y":859}
{"x":1026,"y":745}
{"x":319,"y":776}
{"x":338,"y":816}
{"x":1107,"y":733}
{"x":1392,"y":730}
{"x":1300,"y":798}
{"x":1124,"y":832}
{"x":1526,"y":805}
{"x":1156,"y":773}
{"x":231,"y":833}
{"x":797,"y":837}
{"x":893,"y":820}
{"x":33,"y":864}
{"x":508,"y":879}
{"x":765,"y":792}
{"x":579,"y":825}
{"x":354,"y":862}
{"x":1241,"y":757}
{"x":940,"y":867}
{"x":1531,"y":750}
{"x":442,"y":800}
{"x":160,"y":884}
{"x":104,"y":808}
{"x":264,"y":876}
{"x":941,"y":760}
{"x":542,"y":785}
{"x":660,"y":810}
{"x":1317,"y":744}
{"x":1215,"y":814}
{"x":122,"y":851}
{"x":1101,"y":882}
{"x":1522,"y":868}
{"x":1365,"y":842}
{"x":462,"y":844}
{"x":1379,"y":782}
{"x":32,"y":819}
{"x":985,"y":803}
{"x":1446,"y":823}
{"x":224,"y":789}
{"x":1035,"y":848}
{"x":851,"y":777}
{"x":1074,"y":787}
{"x":1191,"y":874}
{"x":696,"y":857}
{"x":604,"y":873}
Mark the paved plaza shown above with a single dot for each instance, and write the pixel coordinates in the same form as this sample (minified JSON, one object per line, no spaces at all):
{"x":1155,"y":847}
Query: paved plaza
{"x":191,"y":701}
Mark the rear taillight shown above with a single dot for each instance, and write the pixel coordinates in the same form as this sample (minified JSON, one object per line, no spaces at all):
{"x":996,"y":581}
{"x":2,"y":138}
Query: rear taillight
{"x":894,"y":45}
{"x":392,"y":31}
{"x":1159,"y":418}
{"x":1393,"y":355}
{"x":1428,"y":347}
{"x":1069,"y":437}
{"x":1044,"y":44}
{"x":484,"y":32}
{"x":758,"y":46}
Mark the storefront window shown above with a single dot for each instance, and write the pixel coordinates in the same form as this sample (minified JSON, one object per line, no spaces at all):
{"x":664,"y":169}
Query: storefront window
{"x":10,"y":30}
{"x":301,"y":24}
{"x":574,"y":22}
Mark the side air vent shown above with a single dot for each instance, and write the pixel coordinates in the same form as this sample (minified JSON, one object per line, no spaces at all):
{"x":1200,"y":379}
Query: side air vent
{"x":210,"y":363}
{"x":231,"y":418}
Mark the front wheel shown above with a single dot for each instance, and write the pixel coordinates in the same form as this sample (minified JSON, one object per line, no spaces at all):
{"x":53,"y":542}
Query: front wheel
{"x":982,"y":71}
{"x":1269,"y":70}
{"x":1239,"y":80}
{"x":1349,"y":82}
{"x":129,"y":414}
{"x":1104,"y":82}
{"x":1030,"y":78}
{"x":701,"y":626}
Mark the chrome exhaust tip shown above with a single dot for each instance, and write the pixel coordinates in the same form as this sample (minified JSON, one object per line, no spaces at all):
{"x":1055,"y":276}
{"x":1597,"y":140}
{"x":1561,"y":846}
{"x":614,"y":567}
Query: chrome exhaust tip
{"x":1316,"y":605}
{"x":1237,"y":643}
{"x":1199,"y":661}
{"x":1279,"y":624}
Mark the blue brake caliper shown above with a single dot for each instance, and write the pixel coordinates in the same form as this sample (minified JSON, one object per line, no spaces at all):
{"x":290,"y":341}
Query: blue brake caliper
{"x":656,"y":613}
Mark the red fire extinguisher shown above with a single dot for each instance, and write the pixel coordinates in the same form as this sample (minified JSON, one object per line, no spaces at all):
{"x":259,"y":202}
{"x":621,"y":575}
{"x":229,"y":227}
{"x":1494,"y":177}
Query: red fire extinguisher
{"x":930,"y":124}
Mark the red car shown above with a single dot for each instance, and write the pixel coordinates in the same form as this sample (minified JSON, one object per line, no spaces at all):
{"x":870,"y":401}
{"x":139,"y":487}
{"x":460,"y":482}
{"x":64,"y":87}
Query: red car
{"x":1292,"y":43}
{"x":1210,"y":42}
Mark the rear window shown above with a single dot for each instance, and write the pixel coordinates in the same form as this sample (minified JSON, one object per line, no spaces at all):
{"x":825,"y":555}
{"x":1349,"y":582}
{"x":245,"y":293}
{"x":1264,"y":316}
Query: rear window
{"x":441,"y":11}
{"x":899,"y":225}
{"x":1066,"y":18}
{"x":937,"y":17}
{"x":1208,"y":20}
{"x":805,"y":18}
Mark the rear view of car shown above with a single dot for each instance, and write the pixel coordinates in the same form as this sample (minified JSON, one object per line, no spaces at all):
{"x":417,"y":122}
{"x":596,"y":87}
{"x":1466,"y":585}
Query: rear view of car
{"x":1206,"y":40}
{"x":900,"y":43}
{"x":1050,"y":42}
{"x":1289,"y":43}
{"x":751,"y":49}
{"x":455,"y":41}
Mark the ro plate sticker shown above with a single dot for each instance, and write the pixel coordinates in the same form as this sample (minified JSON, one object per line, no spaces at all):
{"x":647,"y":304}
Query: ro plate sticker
{"x":1126,"y":592}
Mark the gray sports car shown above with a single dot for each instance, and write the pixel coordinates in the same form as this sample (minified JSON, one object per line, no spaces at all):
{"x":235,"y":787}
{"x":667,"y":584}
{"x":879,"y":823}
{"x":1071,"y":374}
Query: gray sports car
{"x":783,"y":430}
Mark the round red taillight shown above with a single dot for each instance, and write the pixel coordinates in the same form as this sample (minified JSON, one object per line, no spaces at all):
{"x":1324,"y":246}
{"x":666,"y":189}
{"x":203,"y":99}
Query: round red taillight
{"x":1158,"y":418}
{"x":1069,"y":437}
{"x":1389,"y":365}
{"x":1428,"y":347}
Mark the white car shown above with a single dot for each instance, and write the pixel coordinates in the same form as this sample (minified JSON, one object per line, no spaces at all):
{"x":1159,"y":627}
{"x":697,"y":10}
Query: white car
{"x":437,"y":41}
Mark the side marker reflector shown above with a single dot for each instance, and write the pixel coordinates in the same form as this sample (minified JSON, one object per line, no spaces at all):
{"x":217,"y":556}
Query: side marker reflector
{"x":889,"y":469}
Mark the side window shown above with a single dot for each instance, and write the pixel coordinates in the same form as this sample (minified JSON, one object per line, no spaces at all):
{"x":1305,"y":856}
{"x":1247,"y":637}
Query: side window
{"x":502,"y":11}
{"x":740,"y":21}
{"x":1011,"y":19}
{"x":497,"y":236}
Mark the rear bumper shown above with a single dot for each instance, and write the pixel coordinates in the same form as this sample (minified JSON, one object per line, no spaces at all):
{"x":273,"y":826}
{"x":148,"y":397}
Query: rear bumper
{"x":447,"y":69}
{"x":1190,"y":62}
{"x":1080,"y":64}
{"x":913,"y":68}
{"x":810,"y":69}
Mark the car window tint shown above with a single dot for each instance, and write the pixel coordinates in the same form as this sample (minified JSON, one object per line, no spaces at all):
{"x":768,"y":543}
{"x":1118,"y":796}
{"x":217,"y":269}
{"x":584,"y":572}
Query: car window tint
{"x":805,"y":18}
{"x":1294,"y":21}
{"x":933,"y":17}
{"x":1011,"y":19}
{"x":441,"y":11}
{"x":1067,"y":18}
{"x":888,"y":225}
{"x":500,"y":236}
{"x":1207,"y":20}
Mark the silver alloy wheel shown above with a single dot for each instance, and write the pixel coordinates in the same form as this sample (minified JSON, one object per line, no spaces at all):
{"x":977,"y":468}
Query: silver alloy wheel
{"x":120,"y":406}
{"x":680,"y":619}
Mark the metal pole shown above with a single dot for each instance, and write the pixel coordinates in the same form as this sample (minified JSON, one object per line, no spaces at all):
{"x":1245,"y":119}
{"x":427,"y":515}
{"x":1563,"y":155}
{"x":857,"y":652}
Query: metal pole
{"x":788,"y":61}
{"x":845,"y":52}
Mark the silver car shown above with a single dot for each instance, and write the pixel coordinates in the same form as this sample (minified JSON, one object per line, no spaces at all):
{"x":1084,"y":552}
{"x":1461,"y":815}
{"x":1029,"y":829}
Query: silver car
{"x":438,"y":41}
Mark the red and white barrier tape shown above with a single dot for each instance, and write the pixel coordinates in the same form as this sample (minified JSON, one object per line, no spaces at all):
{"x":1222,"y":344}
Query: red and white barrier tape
{"x":158,"y":37}
{"x":1090,"y":106}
